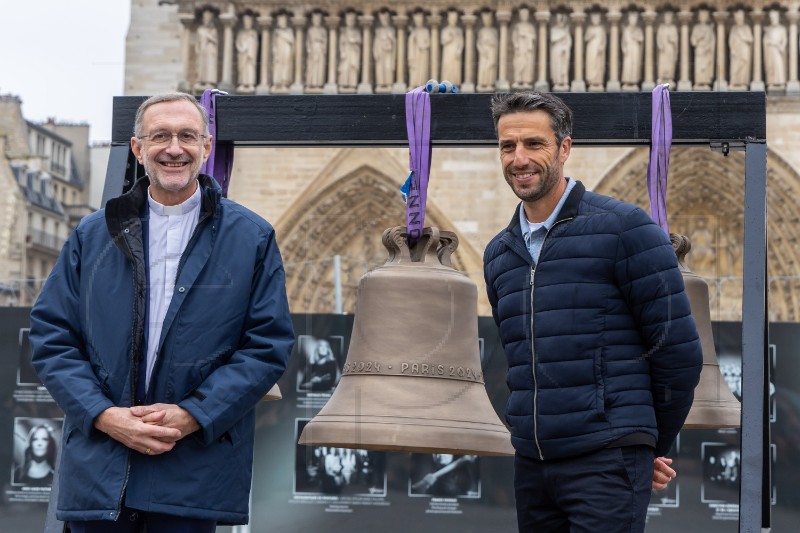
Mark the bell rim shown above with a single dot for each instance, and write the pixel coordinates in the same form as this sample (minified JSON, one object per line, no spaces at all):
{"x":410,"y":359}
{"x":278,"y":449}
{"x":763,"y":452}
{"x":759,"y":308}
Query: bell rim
{"x":375,"y":437}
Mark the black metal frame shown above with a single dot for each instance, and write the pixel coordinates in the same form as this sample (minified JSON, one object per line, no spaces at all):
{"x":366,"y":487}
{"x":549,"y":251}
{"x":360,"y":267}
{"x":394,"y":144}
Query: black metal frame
{"x":722,"y":120}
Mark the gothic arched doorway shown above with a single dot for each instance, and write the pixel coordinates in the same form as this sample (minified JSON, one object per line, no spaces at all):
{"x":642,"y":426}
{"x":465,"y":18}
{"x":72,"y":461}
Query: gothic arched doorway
{"x":347,"y":218}
{"x":705,"y":195}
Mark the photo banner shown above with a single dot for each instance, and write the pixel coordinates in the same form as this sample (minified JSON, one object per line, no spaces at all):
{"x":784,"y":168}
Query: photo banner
{"x":325,"y":489}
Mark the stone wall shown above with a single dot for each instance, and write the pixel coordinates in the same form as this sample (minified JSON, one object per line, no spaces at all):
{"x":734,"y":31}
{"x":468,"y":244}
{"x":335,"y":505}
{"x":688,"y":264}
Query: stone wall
{"x":333,"y":201}
{"x":152,"y":48}
{"x":12,"y":127}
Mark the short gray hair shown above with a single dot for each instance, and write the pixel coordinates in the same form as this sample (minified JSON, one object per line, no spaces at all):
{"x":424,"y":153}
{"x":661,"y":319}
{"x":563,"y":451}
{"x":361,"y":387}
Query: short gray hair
{"x":560,"y":113}
{"x":168,"y":97}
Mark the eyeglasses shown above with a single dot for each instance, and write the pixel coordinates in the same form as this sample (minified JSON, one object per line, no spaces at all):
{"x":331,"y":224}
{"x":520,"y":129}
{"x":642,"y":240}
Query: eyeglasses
{"x":185,"y":138}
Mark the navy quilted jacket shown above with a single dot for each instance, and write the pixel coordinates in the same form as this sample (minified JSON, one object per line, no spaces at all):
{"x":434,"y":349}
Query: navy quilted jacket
{"x":599,"y":336}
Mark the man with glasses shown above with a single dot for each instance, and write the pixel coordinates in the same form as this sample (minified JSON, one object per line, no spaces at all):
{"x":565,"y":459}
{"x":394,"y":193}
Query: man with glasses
{"x":162,"y":325}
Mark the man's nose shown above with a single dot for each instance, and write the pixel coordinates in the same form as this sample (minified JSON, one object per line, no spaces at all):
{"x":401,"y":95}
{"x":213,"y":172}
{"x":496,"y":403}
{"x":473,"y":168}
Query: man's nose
{"x":174,"y":147}
{"x":520,"y":156}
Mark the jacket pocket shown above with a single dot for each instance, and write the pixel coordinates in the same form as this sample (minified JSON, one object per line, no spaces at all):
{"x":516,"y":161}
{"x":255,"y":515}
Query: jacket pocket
{"x":600,"y":381}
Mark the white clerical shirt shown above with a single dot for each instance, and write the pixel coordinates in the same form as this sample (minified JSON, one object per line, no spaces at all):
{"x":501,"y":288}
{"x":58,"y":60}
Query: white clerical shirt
{"x":169,"y":230}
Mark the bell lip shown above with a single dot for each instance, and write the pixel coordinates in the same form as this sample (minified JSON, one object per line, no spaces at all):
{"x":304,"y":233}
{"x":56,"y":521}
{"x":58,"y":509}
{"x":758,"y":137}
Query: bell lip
{"x":273,"y":394}
{"x":375,"y":437}
{"x":720,"y":425}
{"x":714,"y":415}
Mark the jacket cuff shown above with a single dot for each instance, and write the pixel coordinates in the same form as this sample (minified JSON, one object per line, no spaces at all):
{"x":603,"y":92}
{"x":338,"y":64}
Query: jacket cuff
{"x":87,"y":423}
{"x":191,"y":404}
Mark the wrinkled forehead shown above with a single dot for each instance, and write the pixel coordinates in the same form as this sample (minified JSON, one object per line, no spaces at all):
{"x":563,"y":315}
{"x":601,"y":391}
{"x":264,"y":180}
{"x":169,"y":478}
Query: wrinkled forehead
{"x":175,"y":115}
{"x":538,"y":121}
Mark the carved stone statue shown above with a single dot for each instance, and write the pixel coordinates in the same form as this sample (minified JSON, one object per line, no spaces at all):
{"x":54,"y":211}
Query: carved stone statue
{"x":775,"y":41}
{"x":206,"y":50}
{"x":740,"y":46}
{"x":632,"y":43}
{"x":316,"y":51}
{"x":349,"y":52}
{"x":419,"y":51}
{"x":523,"y":37}
{"x":560,"y":53}
{"x":487,"y":53}
{"x":703,"y":40}
{"x":667,"y":45}
{"x":383,"y":52}
{"x":282,"y":53}
{"x":246,"y":55}
{"x":595,"y":39}
{"x":452,"y":40}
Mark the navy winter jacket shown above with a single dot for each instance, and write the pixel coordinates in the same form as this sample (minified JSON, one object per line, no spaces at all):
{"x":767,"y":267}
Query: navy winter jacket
{"x":599,"y":336}
{"x":225,"y":341}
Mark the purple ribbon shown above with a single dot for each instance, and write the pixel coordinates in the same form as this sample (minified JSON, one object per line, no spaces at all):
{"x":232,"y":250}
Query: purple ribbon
{"x":660,"y":146}
{"x":418,"y":124}
{"x":220,"y":162}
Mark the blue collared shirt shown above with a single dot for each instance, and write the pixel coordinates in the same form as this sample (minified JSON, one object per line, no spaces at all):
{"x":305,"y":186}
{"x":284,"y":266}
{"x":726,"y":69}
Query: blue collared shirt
{"x":534,"y":232}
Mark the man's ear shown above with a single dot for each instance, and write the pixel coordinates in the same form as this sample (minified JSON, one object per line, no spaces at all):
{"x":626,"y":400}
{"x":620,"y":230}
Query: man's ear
{"x":136,"y":148}
{"x":564,"y":150}
{"x":207,"y":145}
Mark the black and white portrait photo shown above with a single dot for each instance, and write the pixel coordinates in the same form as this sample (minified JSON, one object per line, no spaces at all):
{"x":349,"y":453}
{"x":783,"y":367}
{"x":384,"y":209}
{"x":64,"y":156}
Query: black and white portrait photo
{"x":320,"y":363}
{"x":36,"y":442}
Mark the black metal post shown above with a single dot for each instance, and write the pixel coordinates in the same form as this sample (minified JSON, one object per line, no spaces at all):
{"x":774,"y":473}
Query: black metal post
{"x":754,"y":498}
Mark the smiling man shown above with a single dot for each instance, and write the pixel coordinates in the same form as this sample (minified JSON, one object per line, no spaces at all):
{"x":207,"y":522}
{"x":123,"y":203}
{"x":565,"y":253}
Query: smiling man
{"x":161,"y":326}
{"x":603,"y":353}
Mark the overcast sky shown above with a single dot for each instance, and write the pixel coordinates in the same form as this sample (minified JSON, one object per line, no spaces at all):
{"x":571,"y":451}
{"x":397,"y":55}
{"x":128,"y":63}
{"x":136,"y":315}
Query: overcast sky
{"x":65,"y":58}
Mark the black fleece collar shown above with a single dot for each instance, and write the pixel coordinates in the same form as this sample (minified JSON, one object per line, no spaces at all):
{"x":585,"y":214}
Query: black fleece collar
{"x":122,"y":209}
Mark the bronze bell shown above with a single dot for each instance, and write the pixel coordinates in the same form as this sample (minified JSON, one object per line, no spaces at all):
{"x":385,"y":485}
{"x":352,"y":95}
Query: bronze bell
{"x":413,"y":380}
{"x":714,"y":404}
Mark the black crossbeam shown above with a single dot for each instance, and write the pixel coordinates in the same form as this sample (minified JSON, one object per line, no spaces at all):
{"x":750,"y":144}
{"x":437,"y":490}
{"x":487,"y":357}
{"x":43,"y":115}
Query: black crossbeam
{"x":464,"y":119}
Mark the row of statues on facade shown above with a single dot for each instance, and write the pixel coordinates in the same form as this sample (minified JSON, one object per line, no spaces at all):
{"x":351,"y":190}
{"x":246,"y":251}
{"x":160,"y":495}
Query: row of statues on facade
{"x":523,"y":42}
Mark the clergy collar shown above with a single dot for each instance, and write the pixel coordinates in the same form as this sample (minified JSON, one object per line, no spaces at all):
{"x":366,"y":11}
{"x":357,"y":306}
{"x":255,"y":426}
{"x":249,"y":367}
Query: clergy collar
{"x":173,"y":210}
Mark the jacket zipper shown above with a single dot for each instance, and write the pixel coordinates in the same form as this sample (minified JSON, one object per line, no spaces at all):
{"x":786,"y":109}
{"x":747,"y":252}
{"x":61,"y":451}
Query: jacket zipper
{"x":124,"y":486}
{"x":533,"y":371}
{"x":134,"y":377}
{"x":533,"y":349}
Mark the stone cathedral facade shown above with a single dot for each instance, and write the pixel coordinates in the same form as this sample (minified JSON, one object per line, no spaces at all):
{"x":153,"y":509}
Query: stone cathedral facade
{"x":337,"y":201}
